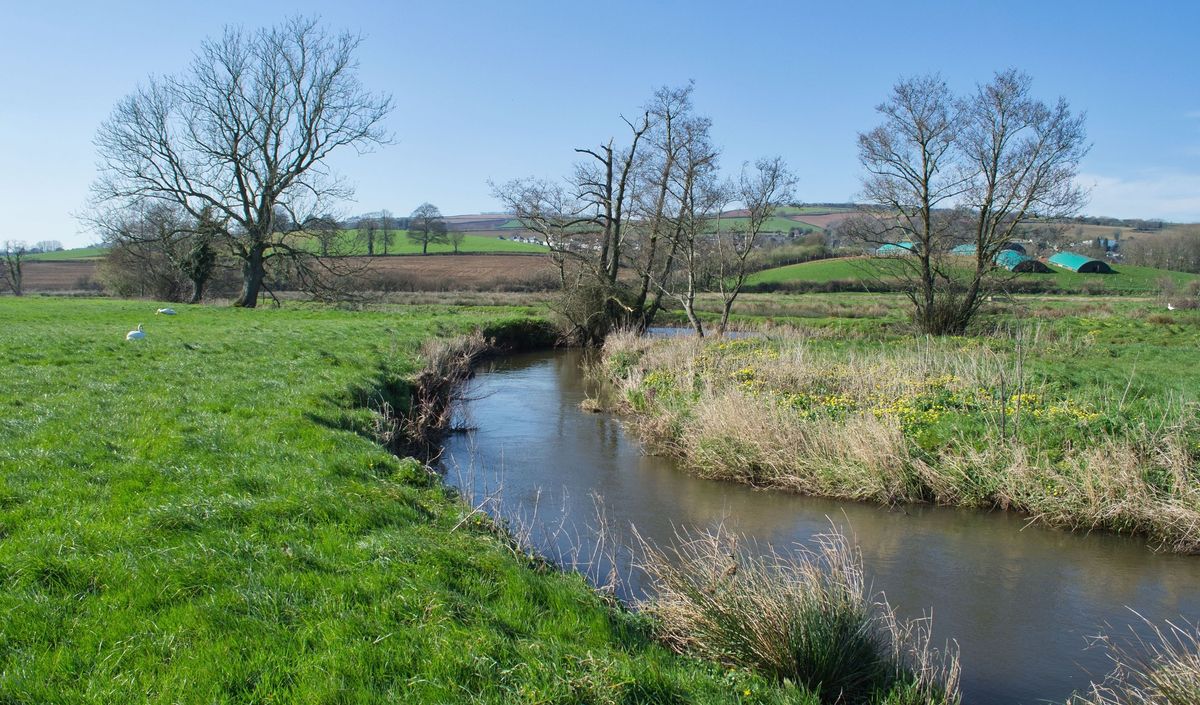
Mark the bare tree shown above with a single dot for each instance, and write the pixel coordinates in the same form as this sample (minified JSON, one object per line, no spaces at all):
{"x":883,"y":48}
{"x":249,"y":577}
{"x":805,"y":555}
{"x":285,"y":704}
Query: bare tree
{"x":13,"y":253}
{"x":368,"y":230}
{"x":972,"y":171}
{"x":427,"y":226}
{"x":47,"y":246}
{"x":328,"y":233}
{"x":698,"y":198}
{"x":387,"y":229}
{"x":160,"y":250}
{"x":245,"y":131}
{"x":586,"y":227}
{"x":455,"y":238}
{"x":761,"y":192}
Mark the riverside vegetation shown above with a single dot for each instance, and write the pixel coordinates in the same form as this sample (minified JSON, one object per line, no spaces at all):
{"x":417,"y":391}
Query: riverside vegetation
{"x":1081,"y":421}
{"x":207,"y":516}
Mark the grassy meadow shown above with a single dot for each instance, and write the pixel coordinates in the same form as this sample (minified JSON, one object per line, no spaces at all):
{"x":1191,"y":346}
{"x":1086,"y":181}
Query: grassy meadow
{"x":72,"y":254}
{"x":202,"y":516}
{"x":350,"y":243}
{"x":1081,"y":413}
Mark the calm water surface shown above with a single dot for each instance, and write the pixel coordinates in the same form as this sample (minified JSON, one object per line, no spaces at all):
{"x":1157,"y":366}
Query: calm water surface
{"x":1019,"y":601}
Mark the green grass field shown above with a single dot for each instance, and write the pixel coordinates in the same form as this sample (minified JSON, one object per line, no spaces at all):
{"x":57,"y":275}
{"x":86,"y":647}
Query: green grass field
{"x":77,"y":253}
{"x":350,"y":243}
{"x":1127,"y":279}
{"x":199,"y":517}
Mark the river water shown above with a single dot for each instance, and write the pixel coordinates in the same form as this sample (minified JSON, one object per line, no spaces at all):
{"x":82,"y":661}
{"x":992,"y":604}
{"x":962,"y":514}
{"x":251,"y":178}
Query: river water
{"x":1020,"y":601}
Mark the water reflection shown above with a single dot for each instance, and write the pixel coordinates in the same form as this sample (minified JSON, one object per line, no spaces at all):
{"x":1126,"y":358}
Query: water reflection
{"x":1020,"y":601}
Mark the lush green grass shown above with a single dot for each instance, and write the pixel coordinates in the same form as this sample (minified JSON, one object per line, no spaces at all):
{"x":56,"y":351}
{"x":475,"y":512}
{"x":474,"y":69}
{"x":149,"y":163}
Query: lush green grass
{"x":350,"y":243}
{"x":1127,"y":278}
{"x":77,"y":253}
{"x":201,"y":517}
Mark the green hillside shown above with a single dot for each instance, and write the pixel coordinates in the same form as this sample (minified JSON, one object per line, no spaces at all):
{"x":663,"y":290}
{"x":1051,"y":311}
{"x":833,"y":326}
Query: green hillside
{"x":349,"y":243}
{"x":77,"y":253}
{"x":1126,"y":279}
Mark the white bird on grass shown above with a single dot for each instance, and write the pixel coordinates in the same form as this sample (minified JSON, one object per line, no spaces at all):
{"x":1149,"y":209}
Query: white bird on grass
{"x":1170,"y":306}
{"x":135,"y":334}
{"x":165,"y":311}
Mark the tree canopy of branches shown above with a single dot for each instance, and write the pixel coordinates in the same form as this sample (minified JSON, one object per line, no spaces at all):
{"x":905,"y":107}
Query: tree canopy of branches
{"x":634,"y":225}
{"x":947,"y":171}
{"x":160,"y":250}
{"x":426,"y":226}
{"x":244,"y":133}
{"x":12,"y":261}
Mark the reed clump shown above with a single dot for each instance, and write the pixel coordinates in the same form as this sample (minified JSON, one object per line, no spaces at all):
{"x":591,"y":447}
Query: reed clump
{"x":1162,"y":669}
{"x":959,"y":421}
{"x":802,"y":616}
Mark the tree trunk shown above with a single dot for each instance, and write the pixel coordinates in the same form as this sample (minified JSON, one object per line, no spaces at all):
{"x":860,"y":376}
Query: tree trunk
{"x":253,"y":273}
{"x":197,"y":291}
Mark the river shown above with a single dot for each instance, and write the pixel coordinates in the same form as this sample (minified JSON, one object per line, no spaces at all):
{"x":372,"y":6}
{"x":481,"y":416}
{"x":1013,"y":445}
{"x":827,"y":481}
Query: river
{"x":1020,"y":601}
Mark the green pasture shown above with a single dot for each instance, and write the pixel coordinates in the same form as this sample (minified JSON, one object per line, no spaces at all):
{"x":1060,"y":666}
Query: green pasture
{"x":1126,"y":279}
{"x":203,"y":516}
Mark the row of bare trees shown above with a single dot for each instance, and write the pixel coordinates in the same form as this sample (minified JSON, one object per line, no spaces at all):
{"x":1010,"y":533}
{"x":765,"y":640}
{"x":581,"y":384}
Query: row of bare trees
{"x":946,"y":170}
{"x":638,"y":223}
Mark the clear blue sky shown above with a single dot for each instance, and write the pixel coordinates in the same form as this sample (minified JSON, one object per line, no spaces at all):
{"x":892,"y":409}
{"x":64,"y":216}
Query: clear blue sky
{"x":507,"y":89}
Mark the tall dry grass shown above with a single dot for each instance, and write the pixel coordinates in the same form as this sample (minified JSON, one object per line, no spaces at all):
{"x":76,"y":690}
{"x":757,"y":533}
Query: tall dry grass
{"x":1160,"y":670}
{"x":948,"y":421}
{"x":803,"y":616}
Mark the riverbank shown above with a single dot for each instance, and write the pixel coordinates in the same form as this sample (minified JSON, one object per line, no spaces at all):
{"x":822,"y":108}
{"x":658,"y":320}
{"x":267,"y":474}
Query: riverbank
{"x":1082,"y":422}
{"x":202,"y":516}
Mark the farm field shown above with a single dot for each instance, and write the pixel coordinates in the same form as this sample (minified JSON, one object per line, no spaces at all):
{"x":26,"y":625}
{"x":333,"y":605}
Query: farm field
{"x":349,"y":243}
{"x":1126,"y":279}
{"x":431,"y":273}
{"x":73,"y":254}
{"x":202,"y":516}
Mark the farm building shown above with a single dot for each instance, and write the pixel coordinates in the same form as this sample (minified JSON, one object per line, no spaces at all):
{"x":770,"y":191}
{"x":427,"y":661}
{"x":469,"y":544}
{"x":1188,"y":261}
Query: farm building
{"x":1014,"y":261}
{"x":897,"y":249}
{"x":1079,"y":263}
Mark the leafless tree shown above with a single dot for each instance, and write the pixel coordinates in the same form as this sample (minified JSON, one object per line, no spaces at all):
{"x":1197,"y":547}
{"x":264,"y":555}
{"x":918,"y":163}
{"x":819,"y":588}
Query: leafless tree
{"x":426,"y":226}
{"x":387,"y":229}
{"x":246,"y":132}
{"x":368,"y":230}
{"x":974,"y":171}
{"x":761,"y":192}
{"x":159,"y":249}
{"x":455,"y":238}
{"x":695,"y":187}
{"x":328,"y":233}
{"x":47,"y":246}
{"x":13,"y":253}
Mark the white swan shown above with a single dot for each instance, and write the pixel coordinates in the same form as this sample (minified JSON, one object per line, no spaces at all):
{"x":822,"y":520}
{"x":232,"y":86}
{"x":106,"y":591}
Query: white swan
{"x":165,"y":311}
{"x":135,"y":334}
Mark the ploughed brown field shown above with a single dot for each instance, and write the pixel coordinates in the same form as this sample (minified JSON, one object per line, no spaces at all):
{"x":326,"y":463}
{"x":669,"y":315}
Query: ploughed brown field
{"x":448,"y":272}
{"x":404,"y":273}
{"x":65,"y":275}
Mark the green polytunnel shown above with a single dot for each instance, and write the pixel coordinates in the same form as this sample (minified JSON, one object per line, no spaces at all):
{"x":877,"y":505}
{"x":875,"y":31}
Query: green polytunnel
{"x":899,"y":248}
{"x":1080,"y":263}
{"x":1014,"y":261}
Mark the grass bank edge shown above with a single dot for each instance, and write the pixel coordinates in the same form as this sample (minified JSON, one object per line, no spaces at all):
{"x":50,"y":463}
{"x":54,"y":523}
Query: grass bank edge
{"x":732,"y":410}
{"x":177,"y":527}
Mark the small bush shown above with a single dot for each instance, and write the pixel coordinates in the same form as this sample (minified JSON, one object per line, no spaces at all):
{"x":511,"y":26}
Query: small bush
{"x":803,"y":617}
